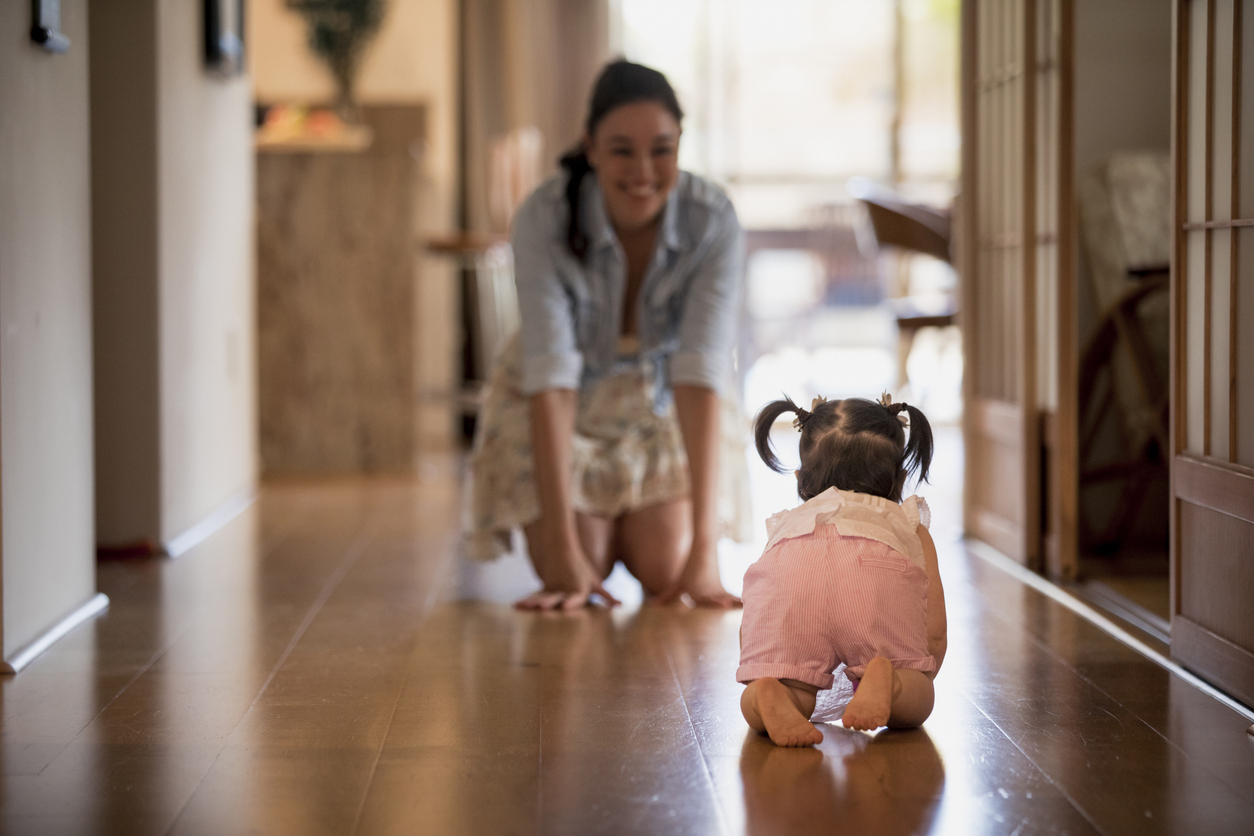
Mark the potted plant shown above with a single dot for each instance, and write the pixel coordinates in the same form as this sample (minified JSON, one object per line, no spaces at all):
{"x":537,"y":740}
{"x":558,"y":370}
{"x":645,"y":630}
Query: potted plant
{"x":338,"y":32}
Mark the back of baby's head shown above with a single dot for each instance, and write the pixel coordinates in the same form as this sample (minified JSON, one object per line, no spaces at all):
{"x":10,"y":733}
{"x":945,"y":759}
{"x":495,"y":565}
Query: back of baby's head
{"x":852,"y":444}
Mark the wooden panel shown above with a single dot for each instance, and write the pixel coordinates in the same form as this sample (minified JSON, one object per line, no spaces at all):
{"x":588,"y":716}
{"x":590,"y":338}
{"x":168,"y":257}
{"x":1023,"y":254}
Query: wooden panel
{"x":1214,"y":658}
{"x":1003,"y":311}
{"x":1217,"y":582}
{"x":1222,"y":488}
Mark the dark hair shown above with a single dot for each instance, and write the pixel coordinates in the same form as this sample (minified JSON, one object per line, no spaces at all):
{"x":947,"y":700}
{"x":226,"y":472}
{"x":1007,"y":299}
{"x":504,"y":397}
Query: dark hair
{"x":620,"y":82}
{"x":853,"y":445}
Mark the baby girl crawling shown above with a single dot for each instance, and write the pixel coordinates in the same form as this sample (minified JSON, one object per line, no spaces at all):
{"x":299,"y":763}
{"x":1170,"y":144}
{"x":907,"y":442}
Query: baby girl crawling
{"x":849,"y":577}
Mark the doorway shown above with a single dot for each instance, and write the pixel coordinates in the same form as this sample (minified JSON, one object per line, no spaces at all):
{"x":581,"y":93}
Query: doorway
{"x":1122,"y":119}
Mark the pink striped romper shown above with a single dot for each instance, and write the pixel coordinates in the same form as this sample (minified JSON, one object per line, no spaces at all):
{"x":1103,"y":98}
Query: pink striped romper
{"x":843,"y":580}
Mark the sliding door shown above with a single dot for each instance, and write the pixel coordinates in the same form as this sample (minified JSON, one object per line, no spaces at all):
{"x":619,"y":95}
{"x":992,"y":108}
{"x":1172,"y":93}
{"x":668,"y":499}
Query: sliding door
{"x":1212,"y":343}
{"x":1015,"y":266}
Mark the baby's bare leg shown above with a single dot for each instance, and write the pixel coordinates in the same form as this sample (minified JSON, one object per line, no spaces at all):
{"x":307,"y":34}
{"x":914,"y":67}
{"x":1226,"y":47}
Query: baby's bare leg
{"x":888,"y":697}
{"x":781,"y":709}
{"x":913,"y":697}
{"x":937,"y":625}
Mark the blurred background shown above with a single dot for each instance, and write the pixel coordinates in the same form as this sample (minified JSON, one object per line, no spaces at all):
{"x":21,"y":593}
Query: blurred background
{"x":804,"y":111}
{"x":245,"y":242}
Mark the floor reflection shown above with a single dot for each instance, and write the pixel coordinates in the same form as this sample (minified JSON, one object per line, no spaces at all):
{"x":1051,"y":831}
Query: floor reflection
{"x":330,"y":671}
{"x":889,"y":783}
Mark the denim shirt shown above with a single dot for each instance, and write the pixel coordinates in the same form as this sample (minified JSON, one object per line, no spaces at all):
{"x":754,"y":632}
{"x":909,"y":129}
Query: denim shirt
{"x":687,"y":309}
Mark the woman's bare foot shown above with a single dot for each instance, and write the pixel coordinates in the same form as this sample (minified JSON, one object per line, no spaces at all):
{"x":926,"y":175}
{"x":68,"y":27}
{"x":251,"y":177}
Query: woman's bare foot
{"x":768,"y":706}
{"x":872,"y":703}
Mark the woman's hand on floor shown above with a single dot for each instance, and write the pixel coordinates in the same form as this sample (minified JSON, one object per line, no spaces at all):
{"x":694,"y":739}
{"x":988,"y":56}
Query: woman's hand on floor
{"x":700,"y":581}
{"x":568,"y":588}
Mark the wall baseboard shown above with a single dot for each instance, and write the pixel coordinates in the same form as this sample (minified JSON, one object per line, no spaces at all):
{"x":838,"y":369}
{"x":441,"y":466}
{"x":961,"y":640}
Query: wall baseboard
{"x":95,"y":605}
{"x":180,"y":544}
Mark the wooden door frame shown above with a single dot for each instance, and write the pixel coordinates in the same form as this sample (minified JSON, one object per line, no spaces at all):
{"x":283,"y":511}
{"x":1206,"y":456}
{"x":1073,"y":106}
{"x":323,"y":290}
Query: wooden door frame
{"x":1061,"y":549}
{"x":1055,"y":548}
{"x":1179,"y":213}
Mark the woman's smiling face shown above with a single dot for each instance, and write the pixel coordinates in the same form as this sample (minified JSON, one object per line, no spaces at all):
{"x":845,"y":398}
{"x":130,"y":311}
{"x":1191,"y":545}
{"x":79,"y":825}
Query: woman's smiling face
{"x":635,"y":152}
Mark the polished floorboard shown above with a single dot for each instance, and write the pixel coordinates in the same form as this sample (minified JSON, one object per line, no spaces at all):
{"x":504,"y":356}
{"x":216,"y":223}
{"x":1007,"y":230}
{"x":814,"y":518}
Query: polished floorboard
{"x":324,"y":664}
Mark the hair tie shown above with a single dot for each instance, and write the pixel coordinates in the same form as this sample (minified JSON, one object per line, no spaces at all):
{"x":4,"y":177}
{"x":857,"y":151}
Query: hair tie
{"x":803,"y":415}
{"x":886,"y":401}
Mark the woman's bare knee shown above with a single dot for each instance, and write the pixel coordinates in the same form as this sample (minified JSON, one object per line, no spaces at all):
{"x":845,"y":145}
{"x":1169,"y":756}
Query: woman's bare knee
{"x":654,"y":542}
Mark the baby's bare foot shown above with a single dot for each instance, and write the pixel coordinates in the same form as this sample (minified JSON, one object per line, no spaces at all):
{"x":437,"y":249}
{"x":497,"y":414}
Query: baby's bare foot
{"x":873,"y":701}
{"x":783,"y":720}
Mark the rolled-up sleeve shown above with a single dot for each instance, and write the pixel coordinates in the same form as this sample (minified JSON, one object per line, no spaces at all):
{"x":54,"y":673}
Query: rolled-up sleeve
{"x":707,"y":326}
{"x":550,"y":354}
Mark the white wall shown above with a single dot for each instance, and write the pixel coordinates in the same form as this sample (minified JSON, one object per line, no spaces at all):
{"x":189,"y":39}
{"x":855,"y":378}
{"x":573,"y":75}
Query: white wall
{"x":174,"y":289}
{"x":48,"y":543}
{"x":205,"y":221}
{"x":1122,"y":92}
{"x":1122,"y":78}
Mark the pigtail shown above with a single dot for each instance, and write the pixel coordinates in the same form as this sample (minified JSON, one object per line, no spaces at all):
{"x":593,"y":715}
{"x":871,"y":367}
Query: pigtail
{"x":762,"y":429}
{"x":577,"y":167}
{"x":919,"y":447}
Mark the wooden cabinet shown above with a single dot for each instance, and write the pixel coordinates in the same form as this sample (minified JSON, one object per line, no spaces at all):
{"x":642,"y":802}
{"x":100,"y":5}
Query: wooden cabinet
{"x":337,"y":311}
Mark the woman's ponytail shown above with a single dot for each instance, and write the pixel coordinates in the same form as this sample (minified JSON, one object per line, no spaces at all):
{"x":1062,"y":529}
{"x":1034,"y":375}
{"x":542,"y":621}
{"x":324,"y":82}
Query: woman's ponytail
{"x":762,"y":429}
{"x":577,"y":167}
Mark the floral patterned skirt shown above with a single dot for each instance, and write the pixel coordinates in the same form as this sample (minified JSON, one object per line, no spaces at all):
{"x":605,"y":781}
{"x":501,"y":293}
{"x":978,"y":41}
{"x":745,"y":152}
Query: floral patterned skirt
{"x":624,"y":456}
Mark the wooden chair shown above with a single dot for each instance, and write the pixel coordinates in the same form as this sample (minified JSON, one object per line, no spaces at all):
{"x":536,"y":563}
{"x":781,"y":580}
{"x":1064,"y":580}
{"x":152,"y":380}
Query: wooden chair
{"x":917,"y":229}
{"x":1121,"y":328}
{"x":488,"y":299}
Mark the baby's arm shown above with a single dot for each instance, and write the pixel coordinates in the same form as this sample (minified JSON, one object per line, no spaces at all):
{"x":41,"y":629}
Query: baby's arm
{"x":937,"y":626}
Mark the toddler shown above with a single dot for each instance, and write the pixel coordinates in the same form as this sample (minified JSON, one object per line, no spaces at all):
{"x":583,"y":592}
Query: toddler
{"x":850,"y":576}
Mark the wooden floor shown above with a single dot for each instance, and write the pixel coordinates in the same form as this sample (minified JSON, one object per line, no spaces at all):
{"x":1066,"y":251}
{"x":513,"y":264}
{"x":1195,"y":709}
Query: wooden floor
{"x":311,"y":668}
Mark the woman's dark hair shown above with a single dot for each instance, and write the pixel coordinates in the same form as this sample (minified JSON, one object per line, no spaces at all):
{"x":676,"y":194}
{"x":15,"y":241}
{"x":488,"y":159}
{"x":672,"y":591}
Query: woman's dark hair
{"x":853,"y":445}
{"x":620,"y":82}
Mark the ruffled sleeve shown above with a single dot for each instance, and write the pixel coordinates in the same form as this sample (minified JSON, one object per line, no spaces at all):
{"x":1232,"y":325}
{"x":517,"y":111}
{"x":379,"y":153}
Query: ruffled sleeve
{"x":917,"y":511}
{"x":773,"y":522}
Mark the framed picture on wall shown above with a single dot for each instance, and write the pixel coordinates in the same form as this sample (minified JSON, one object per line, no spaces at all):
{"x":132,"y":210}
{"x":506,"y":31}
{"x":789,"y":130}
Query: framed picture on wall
{"x":224,"y":36}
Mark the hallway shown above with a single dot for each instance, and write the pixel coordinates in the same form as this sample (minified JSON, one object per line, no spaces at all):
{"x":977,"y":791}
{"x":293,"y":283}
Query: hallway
{"x":311,"y":669}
